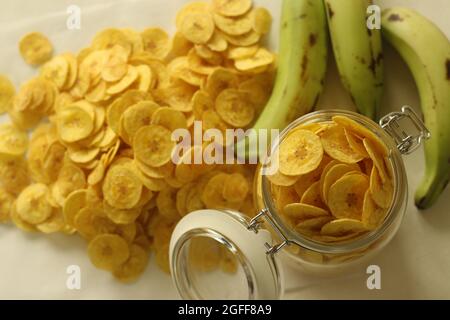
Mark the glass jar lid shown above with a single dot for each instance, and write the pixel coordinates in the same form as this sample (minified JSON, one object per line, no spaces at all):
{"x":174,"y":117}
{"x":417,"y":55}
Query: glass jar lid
{"x":214,"y":255}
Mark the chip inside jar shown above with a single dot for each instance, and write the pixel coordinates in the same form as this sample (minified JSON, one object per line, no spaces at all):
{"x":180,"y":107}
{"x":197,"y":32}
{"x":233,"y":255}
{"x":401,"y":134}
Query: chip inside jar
{"x":334,"y":180}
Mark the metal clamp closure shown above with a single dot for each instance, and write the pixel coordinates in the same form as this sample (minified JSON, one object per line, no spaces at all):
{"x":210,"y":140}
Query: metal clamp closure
{"x":399,"y":126}
{"x":256,"y":223}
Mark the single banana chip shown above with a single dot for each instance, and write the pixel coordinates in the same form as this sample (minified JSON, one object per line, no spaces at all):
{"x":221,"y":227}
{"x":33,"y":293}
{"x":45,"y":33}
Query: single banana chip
{"x":146,"y":80}
{"x":121,"y":188}
{"x":280,"y":179}
{"x":178,"y":95}
{"x":13,"y":141}
{"x":302,"y":211}
{"x":169,"y":118}
{"x":340,"y":227}
{"x":312,"y":225}
{"x":332,"y":175}
{"x":243,"y":40}
{"x":156,"y":42}
{"x":125,"y":82}
{"x":56,"y":70}
{"x":232,"y":8}
{"x":346,"y":196}
{"x":116,"y":67}
{"x":201,"y":102}
{"x":35,"y":48}
{"x":312,"y":196}
{"x":166,"y":203}
{"x":236,"y":53}
{"x":137,"y":116}
{"x":217,"y":43}
{"x":73,"y":204}
{"x":153,"y":145}
{"x":91,"y":222}
{"x":74,"y":123}
{"x":234,"y":108}
{"x":199,"y":7}
{"x":372,"y":215}
{"x":197,"y":27}
{"x":356,"y":143}
{"x":32,"y":205}
{"x":377,"y":158}
{"x":336,"y":145}
{"x":261,"y":20}
{"x":361,"y":131}
{"x":382,"y":193}
{"x":219,"y":80}
{"x":135,"y":265}
{"x":299,"y":153}
{"x":7,"y":92}
{"x":108,"y":251}
{"x":19,"y":222}
{"x":261,"y":58}
{"x":110,"y":38}
{"x":233,"y":25}
{"x":235,"y":188}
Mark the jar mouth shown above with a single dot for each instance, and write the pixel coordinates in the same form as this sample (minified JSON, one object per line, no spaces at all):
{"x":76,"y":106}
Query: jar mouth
{"x":361,"y":241}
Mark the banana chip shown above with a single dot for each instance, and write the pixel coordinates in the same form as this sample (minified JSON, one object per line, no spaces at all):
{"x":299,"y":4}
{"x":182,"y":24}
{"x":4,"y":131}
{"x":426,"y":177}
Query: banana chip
{"x":32,"y":205}
{"x":372,"y":215}
{"x":312,"y":196}
{"x":332,"y":175}
{"x":346,"y":196}
{"x":153,"y":145}
{"x":6,"y":202}
{"x":232,"y":8}
{"x":381,"y":193}
{"x":261,"y":58}
{"x":134,"y":266}
{"x":340,"y":227}
{"x":378,"y":159}
{"x":13,"y":141}
{"x":262,"y":20}
{"x":302,"y":211}
{"x":336,"y":145}
{"x":233,"y":107}
{"x":235,"y":188}
{"x":233,"y":26}
{"x":197,"y":28}
{"x":312,"y":225}
{"x":7,"y":92}
{"x":35,"y":48}
{"x":121,"y":188}
{"x":300,"y":152}
{"x":156,"y":42}
{"x":108,"y":251}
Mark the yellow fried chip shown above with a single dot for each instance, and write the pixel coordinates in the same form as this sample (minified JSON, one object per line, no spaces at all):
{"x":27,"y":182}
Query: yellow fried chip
{"x":235,"y":188}
{"x":6,"y":202}
{"x":201,"y":101}
{"x":125,"y":82}
{"x":212,"y":194}
{"x":356,"y":143}
{"x":32,"y":205}
{"x":232,"y":8}
{"x":192,"y":7}
{"x":138,"y":116}
{"x":381,"y":193}
{"x":197,"y":27}
{"x":234,"y":108}
{"x":261,"y":58}
{"x":135,"y":265}
{"x":372,"y":215}
{"x":361,"y":131}
{"x":7,"y":92}
{"x":108,"y":251}
{"x":219,"y":80}
{"x":217,"y":43}
{"x":284,"y":196}
{"x":280,"y":179}
{"x":312,"y":196}
{"x":261,"y":20}
{"x":243,"y":40}
{"x":74,"y":123}
{"x":312,"y":225}
{"x":305,"y":180}
{"x":302,"y":211}
{"x":56,"y":70}
{"x":166,"y":203}
{"x":181,"y":198}
{"x":156,"y":42}
{"x":299,"y":153}
{"x":346,"y":196}
{"x":336,"y":145}
{"x":122,"y":216}
{"x":169,"y":118}
{"x":341,"y":227}
{"x":54,"y":223}
{"x":122,"y":188}
{"x":153,"y":145}
{"x":377,"y":158}
{"x":13,"y":141}
{"x":242,"y":52}
{"x":91,"y":222}
{"x":233,"y":25}
{"x":35,"y":48}
{"x":332,"y":175}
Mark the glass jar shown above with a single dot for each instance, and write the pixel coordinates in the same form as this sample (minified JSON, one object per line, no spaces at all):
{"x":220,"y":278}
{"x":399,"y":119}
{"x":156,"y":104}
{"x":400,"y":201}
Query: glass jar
{"x":222,"y":254}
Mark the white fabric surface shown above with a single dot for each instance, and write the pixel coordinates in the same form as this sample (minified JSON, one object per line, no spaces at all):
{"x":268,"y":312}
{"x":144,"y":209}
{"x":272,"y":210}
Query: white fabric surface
{"x":416,"y":264}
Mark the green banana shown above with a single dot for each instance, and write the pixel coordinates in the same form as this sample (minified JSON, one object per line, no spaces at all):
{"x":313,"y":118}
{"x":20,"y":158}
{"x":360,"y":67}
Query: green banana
{"x":426,"y":50}
{"x":302,"y":64}
{"x":358,"y":53}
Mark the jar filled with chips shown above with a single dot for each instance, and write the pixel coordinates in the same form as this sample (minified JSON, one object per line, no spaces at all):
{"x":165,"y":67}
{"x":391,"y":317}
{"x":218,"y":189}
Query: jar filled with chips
{"x":331,"y":194}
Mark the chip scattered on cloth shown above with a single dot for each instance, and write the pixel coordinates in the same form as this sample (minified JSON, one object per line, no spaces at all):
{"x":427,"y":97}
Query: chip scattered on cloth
{"x":98,"y":158}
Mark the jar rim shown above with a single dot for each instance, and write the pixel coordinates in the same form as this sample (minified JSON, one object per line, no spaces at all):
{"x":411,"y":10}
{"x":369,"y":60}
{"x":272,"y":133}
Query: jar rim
{"x":368,"y":238}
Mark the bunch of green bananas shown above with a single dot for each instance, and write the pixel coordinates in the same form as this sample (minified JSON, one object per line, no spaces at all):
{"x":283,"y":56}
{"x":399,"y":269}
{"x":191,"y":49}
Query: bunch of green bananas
{"x":358,"y":53}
